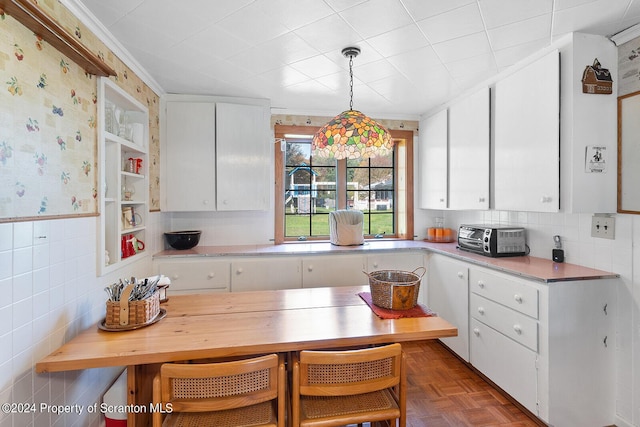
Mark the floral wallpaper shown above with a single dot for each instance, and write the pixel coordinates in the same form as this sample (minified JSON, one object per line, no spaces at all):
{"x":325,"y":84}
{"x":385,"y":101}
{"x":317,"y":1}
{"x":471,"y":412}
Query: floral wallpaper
{"x":48,"y":109}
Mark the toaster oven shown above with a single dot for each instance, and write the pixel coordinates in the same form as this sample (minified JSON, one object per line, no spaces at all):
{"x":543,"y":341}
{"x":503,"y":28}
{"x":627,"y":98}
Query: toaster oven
{"x":492,"y":241}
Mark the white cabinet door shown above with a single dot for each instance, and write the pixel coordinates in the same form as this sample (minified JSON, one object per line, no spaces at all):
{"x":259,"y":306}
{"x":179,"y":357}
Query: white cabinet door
{"x":448,"y":295}
{"x":469,"y":152}
{"x":195,"y":276}
{"x":188,"y":157}
{"x":433,"y":161}
{"x":507,"y":363}
{"x":334,"y":270}
{"x":242,"y":157}
{"x":527,"y":137}
{"x":250,"y":274}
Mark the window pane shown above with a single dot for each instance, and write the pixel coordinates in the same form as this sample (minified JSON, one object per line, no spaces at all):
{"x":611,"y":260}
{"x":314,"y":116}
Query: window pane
{"x":320,"y":225}
{"x":297,"y":154}
{"x":381,"y":223}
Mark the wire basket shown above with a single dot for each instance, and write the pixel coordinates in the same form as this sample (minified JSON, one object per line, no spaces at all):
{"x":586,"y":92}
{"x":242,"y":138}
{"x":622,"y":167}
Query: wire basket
{"x":395,"y":289}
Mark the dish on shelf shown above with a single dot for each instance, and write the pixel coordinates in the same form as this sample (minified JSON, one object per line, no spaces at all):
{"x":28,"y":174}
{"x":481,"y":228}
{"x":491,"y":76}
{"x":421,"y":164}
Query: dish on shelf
{"x":161,"y":315}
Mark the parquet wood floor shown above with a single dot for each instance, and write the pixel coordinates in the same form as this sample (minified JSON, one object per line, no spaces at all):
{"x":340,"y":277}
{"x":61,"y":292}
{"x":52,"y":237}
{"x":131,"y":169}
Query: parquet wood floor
{"x":443,"y":392}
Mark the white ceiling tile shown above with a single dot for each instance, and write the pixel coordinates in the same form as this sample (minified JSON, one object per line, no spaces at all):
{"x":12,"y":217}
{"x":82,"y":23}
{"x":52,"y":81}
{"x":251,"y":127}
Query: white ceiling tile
{"x":255,"y":23}
{"x":419,"y":64}
{"x":498,"y":12}
{"x":588,"y":15}
{"x":340,"y":5}
{"x":373,"y":71}
{"x":290,"y":50}
{"x":329,"y":34}
{"x":399,"y":40}
{"x":256,"y":60}
{"x":299,"y":13}
{"x":520,"y":33}
{"x":317,"y":66}
{"x":453,"y":24}
{"x":514,"y":54}
{"x":462,"y":47}
{"x":135,"y":34}
{"x":376,"y":17}
{"x":216,"y":41}
{"x":284,"y":76}
{"x":484,"y":65}
{"x":421,"y":9}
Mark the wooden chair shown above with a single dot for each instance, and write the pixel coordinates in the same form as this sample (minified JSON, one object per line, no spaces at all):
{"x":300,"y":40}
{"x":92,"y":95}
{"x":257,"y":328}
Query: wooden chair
{"x":249,"y":392}
{"x":335,"y":388}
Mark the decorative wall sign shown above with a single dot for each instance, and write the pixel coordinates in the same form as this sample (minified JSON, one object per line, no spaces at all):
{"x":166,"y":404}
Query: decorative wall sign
{"x":595,"y":159}
{"x":597,"y":80}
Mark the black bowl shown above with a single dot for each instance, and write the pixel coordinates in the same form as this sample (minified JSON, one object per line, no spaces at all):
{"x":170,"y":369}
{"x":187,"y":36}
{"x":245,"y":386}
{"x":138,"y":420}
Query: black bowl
{"x":183,"y":239}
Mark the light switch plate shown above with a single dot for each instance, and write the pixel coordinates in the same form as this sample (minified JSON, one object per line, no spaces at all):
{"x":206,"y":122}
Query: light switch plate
{"x":603,"y":226}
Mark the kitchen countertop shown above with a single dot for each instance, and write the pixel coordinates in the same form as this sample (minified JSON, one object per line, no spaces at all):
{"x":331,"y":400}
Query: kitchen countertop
{"x":529,"y":267}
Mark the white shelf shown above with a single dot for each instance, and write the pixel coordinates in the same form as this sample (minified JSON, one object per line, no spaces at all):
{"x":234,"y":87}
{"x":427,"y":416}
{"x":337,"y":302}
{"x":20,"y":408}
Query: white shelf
{"x":114,"y":151}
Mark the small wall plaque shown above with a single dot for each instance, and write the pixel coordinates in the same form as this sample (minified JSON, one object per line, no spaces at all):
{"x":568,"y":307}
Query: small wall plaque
{"x":597,"y":80}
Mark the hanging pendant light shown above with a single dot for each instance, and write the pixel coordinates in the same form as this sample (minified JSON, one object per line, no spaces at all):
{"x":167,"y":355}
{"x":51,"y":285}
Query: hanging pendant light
{"x":351,"y":134}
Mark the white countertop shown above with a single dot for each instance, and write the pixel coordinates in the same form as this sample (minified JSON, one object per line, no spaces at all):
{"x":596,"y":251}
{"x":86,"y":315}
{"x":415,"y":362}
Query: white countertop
{"x":526,"y":266}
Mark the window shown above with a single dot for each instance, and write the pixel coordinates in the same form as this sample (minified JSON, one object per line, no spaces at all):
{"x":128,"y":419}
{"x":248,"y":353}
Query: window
{"x":308,"y":188}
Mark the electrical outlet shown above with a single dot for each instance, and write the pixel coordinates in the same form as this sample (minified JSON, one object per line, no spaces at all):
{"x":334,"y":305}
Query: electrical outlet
{"x":603,"y":227}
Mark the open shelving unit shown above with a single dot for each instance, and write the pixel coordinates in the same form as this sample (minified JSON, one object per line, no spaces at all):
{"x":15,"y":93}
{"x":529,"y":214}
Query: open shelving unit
{"x":124,"y":190}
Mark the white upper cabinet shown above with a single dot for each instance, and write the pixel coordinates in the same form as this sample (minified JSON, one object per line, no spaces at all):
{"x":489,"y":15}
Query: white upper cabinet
{"x":433,"y":161}
{"x":215,"y":154}
{"x":188,"y":157}
{"x":527,"y":137}
{"x":469,"y":152}
{"x":242,"y":158}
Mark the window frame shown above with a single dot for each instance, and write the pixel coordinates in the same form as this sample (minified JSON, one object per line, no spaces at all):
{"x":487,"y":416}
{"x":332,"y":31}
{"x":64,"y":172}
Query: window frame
{"x":403,"y":183}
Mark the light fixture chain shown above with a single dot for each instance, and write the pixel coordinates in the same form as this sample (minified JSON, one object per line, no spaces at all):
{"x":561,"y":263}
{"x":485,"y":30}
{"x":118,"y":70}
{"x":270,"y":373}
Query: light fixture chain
{"x":351,"y":82}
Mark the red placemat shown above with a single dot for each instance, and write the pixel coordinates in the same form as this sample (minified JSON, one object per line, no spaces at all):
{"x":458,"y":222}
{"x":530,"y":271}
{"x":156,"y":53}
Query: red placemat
{"x":384,"y":313}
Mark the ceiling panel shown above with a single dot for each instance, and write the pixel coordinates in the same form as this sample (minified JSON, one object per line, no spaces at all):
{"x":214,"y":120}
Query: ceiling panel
{"x":416,"y":54}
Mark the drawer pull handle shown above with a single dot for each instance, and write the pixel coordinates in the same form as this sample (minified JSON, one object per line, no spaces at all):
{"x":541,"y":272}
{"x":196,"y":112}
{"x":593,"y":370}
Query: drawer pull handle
{"x":480,"y":284}
{"x":310,"y":268}
{"x":460,"y":274}
{"x":605,"y":341}
{"x":476,"y":332}
{"x":518,"y":329}
{"x":211,"y":275}
{"x":518,"y":298}
{"x":239,"y":271}
{"x":605,"y":309}
{"x":175,"y":277}
{"x":481,"y":310}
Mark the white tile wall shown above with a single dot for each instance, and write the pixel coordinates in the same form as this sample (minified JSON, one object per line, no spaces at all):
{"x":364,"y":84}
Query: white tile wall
{"x":49,"y":292}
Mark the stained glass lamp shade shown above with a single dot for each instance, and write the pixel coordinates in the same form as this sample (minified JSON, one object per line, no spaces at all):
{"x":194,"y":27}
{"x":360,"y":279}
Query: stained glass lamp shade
{"x":351,"y":134}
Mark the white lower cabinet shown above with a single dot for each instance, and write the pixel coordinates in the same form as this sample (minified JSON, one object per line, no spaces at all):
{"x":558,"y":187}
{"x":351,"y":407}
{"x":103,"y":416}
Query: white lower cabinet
{"x":549,"y":345}
{"x":194,"y":275}
{"x":257,"y":274}
{"x":448,"y":296}
{"x":508,"y":364}
{"x":333,"y":270}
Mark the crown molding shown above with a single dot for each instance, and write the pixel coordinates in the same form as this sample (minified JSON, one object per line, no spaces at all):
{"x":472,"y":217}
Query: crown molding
{"x":85,"y":16}
{"x":626,"y":35}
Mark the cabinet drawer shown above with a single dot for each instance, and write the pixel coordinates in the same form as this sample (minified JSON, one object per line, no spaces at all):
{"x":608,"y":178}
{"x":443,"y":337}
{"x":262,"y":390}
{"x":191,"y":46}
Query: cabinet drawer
{"x":511,"y":323}
{"x":187,"y":275}
{"x":505,"y":290}
{"x":508,"y":364}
